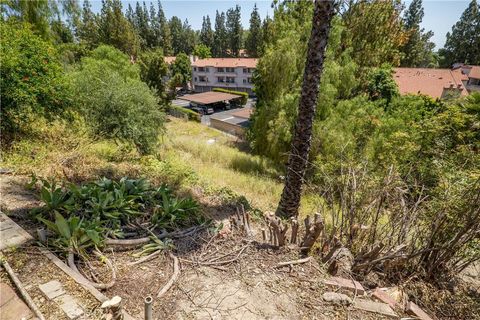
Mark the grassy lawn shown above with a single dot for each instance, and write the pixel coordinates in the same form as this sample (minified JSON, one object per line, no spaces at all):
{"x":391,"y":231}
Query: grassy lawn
{"x":216,"y":158}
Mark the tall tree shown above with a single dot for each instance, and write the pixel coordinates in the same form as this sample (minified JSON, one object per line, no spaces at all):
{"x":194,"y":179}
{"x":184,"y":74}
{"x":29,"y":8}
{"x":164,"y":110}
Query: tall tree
{"x":234,"y":30}
{"x":72,"y":12}
{"x":266,"y":34}
{"x":301,"y":142}
{"x":463,"y":43}
{"x":188,"y":38}
{"x":254,"y":37}
{"x":206,"y":34}
{"x":175,"y":25}
{"x":115,"y":29}
{"x":165,"y":34}
{"x":37,"y":13}
{"x":375,"y":33}
{"x":418,"y":50}
{"x":89,"y":30}
{"x":220,"y":40}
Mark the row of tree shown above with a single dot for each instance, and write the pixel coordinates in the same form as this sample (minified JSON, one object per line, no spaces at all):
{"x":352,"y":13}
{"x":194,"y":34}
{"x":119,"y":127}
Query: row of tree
{"x":376,"y":31}
{"x":139,"y":28}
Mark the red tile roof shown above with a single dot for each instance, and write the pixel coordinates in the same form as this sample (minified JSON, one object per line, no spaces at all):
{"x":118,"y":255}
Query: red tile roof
{"x":169,"y":60}
{"x":428,"y":81}
{"x":226,"y":62}
{"x":474,"y":72}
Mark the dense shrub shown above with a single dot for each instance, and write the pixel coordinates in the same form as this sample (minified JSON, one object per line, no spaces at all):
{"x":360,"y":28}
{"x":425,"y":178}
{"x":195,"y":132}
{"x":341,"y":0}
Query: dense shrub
{"x":244,"y":95}
{"x":115,"y":103}
{"x":31,"y":80}
{"x":191,"y":115}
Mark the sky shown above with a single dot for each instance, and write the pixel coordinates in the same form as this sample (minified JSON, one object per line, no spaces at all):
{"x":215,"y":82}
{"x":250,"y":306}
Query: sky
{"x":440,"y":15}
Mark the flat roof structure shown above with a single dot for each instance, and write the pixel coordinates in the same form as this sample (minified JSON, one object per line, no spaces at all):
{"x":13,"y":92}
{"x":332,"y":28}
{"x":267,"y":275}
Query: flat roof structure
{"x":209,"y":97}
{"x":239,"y":117}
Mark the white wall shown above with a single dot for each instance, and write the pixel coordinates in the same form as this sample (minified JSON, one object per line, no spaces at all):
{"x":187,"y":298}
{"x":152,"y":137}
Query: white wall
{"x":212,"y":78}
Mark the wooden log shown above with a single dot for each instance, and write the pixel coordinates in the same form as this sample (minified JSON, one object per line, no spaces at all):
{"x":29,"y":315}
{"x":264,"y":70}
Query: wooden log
{"x":293,"y":239}
{"x":312,"y":232}
{"x":176,"y":273}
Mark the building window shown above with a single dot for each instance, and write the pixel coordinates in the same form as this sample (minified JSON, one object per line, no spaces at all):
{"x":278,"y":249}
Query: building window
{"x":220,"y":70}
{"x":249,"y":80}
{"x":194,"y":68}
{"x":245,"y":70}
{"x":202,"y":79}
{"x":202,"y":69}
{"x":229,"y":69}
{"x":230,"y":80}
{"x":195,"y":79}
{"x":221,"y":79}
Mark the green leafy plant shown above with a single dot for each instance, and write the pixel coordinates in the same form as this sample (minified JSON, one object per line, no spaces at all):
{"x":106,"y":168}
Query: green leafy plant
{"x":154,"y":246}
{"x":173,"y":212}
{"x":74,"y":234}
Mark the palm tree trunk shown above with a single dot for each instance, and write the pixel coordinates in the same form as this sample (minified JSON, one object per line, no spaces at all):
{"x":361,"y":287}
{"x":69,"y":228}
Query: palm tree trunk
{"x":297,"y":162}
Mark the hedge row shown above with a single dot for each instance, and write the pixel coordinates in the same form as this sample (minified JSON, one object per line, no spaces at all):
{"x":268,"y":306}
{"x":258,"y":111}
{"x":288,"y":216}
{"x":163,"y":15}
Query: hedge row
{"x":191,"y":115}
{"x":244,"y":95}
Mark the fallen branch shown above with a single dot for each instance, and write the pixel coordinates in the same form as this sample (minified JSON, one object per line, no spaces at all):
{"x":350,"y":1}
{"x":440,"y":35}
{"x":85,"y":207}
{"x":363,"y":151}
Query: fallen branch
{"x":144,"y":240}
{"x":73,"y":266}
{"x":173,"y":278}
{"x":293,"y":262}
{"x":26,"y":297}
{"x":146,"y":258}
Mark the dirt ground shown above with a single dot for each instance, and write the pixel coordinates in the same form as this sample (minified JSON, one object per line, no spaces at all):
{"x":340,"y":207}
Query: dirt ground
{"x":224,"y":275}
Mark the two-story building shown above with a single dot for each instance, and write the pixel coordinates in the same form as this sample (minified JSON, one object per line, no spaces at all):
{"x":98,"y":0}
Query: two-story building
{"x":228,"y":73}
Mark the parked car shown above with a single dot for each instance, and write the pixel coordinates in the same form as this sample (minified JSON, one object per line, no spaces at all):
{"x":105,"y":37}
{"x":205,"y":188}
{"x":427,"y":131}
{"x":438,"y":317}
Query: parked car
{"x":203,"y":110}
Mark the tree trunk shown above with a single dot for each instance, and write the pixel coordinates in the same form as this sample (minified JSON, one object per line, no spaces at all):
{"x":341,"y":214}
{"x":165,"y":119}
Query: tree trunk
{"x":297,"y":162}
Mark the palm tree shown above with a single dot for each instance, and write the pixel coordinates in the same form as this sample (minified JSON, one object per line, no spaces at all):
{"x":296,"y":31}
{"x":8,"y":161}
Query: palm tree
{"x":297,"y":162}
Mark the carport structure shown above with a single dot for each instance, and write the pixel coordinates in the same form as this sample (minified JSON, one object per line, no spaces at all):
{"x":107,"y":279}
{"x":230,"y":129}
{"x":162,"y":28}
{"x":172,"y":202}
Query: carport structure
{"x":209,"y":98}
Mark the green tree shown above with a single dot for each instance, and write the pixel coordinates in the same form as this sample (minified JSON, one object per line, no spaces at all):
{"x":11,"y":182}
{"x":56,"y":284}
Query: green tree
{"x":38,"y":13}
{"x":165,"y":34}
{"x":202,"y":51}
{"x":220,"y":37}
{"x":254,"y":38}
{"x":88,"y":31}
{"x":153,"y":71}
{"x":114,"y":28}
{"x":176,"y":29}
{"x":31,"y":80}
{"x":418,"y":50}
{"x":234,"y":30}
{"x":181,"y":69}
{"x":206,"y":34}
{"x":113,"y":100}
{"x":374,"y":31}
{"x":188,"y":38}
{"x":463,"y":43}
{"x":266,"y":34}
{"x":381,"y":84}
{"x":278,"y":80}
{"x":301,"y":140}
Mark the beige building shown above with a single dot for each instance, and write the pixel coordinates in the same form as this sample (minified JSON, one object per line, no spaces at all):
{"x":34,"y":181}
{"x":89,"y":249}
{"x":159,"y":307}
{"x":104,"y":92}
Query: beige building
{"x":227,"y":73}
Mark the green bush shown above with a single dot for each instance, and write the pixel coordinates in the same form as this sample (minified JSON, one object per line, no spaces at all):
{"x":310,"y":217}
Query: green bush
{"x":115,"y":103}
{"x":192,"y":115}
{"x":244,"y":95}
{"x":31,"y":80}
